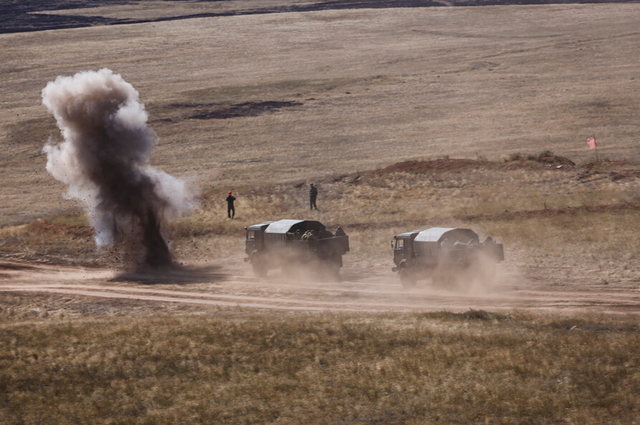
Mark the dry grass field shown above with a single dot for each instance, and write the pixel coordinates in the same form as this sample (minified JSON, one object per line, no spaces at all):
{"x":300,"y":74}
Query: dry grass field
{"x":404,"y":118}
{"x":239,"y":368}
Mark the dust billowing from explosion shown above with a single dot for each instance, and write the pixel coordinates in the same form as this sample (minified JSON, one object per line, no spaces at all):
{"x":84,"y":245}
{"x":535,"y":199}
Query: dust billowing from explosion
{"x":104,"y":160}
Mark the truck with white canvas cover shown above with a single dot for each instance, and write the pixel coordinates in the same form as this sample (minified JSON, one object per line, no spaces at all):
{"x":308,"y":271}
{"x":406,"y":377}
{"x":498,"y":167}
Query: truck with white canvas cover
{"x":295,"y":243}
{"x":444,"y":255}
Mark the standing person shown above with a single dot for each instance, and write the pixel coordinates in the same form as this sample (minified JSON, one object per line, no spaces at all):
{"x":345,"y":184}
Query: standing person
{"x":313,"y":194}
{"x":231,"y":211}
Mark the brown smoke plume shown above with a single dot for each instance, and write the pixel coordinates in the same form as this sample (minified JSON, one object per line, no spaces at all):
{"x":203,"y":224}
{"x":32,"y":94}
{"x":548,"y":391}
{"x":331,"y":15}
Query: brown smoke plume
{"x":104,"y":160}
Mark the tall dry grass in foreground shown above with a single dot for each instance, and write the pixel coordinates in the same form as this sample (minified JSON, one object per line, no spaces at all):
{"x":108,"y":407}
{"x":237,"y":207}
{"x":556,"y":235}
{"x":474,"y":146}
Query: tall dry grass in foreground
{"x":238,"y":367}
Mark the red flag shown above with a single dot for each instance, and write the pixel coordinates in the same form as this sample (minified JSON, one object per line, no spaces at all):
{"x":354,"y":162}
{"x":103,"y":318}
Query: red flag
{"x":592,"y":142}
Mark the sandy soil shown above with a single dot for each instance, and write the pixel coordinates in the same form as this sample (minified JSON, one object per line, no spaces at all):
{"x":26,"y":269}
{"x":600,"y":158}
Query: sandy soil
{"x":233,"y":99}
{"x":230,"y":283}
{"x":378,"y":86}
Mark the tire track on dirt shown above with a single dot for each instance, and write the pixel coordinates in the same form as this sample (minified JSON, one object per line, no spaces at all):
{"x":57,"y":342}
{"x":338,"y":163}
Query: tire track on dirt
{"x":157,"y":298}
{"x":367,"y":293}
{"x":203,"y":297}
{"x":531,"y":300}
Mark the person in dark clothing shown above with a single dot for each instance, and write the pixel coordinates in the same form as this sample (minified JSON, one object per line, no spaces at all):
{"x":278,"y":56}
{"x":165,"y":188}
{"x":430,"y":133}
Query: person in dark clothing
{"x":231,"y":211}
{"x":313,"y":194}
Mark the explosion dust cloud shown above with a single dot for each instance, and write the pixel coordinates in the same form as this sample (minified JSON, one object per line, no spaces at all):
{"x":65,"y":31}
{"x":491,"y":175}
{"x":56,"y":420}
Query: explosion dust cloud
{"x":104,"y":161}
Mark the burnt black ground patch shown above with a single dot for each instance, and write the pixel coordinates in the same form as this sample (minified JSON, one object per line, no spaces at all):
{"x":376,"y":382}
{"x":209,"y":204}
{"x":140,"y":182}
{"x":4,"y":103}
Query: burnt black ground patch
{"x":30,"y":15}
{"x":246,"y":109}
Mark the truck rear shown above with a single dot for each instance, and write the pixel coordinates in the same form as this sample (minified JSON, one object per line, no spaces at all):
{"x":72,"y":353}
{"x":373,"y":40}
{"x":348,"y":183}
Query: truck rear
{"x":295,"y":243}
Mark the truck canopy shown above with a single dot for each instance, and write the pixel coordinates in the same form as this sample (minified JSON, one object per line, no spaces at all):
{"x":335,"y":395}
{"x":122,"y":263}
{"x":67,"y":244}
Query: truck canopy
{"x":408,"y":235}
{"x":283,"y":227}
{"x":438,"y":234}
{"x":259,"y":226}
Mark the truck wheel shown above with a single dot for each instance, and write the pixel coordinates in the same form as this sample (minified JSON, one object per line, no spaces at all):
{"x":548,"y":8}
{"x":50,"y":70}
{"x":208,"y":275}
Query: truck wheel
{"x":333,"y":266}
{"x":259,"y":268}
{"x":407,"y":279}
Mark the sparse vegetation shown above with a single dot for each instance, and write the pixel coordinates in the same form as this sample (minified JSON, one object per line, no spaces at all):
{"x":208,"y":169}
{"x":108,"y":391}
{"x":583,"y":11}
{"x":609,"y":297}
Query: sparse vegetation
{"x":236,"y":367}
{"x":576,"y":217}
{"x":383,"y":109}
{"x":546,"y":157}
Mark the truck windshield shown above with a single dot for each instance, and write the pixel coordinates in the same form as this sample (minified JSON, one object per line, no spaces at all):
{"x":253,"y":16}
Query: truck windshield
{"x":399,"y":244}
{"x":251,"y":235}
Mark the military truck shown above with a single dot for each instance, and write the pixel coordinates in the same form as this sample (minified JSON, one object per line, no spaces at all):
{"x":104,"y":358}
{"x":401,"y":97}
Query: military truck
{"x":295,"y":243}
{"x":446,"y":255}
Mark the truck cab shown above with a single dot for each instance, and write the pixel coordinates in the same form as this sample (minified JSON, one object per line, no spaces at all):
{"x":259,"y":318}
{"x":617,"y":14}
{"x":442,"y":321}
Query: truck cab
{"x":255,"y":238}
{"x":403,"y":251}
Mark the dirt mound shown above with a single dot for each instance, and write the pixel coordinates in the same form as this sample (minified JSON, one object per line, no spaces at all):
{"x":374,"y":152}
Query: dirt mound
{"x":514,"y":161}
{"x":605,"y":165}
{"x":544,"y":157}
{"x":423,"y":167}
{"x":591,"y":174}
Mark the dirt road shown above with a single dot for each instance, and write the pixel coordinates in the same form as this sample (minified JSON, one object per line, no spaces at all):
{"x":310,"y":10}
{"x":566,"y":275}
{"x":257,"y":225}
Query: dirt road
{"x":229,"y":283}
